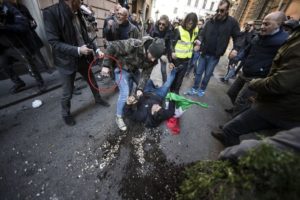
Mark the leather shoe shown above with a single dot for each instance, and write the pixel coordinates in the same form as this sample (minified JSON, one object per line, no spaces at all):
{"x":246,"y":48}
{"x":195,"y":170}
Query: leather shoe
{"x":17,"y":87}
{"x":219,"y":135}
{"x":69,"y":120}
{"x":102,"y":102}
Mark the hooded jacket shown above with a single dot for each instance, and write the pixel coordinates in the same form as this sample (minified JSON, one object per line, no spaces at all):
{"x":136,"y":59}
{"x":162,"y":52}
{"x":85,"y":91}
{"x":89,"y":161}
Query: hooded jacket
{"x":131,"y":55}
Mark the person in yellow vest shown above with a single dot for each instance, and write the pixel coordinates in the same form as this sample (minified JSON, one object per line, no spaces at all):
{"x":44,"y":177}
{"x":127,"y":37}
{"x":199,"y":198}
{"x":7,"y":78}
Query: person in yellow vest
{"x":184,"y":38}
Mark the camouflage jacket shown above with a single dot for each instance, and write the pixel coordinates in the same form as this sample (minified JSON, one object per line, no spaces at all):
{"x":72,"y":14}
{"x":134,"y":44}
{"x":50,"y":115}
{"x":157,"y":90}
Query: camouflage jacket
{"x":132,"y":56}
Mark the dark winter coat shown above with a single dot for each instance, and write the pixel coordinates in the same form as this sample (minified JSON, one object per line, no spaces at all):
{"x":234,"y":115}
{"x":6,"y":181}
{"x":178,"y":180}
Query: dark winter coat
{"x":14,"y":29}
{"x":141,"y":111}
{"x":35,"y":40}
{"x":216,"y":35}
{"x":167,"y":35}
{"x":261,"y":53}
{"x":279,"y":93}
{"x":61,"y":35}
{"x":121,"y":31}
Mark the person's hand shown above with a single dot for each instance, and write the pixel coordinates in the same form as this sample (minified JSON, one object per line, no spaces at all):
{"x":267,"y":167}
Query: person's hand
{"x":105,"y":71}
{"x":174,"y":56}
{"x":84,"y":50}
{"x":171,"y":66}
{"x":110,"y":22}
{"x":131,"y":100}
{"x":232,"y":54}
{"x":196,"y":48}
{"x":197,"y":42}
{"x":139,"y":93}
{"x":100,"y":54}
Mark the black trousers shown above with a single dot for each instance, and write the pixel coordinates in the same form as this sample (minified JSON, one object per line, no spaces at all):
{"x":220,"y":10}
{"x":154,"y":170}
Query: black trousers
{"x":9,"y":56}
{"x":68,"y":86}
{"x":250,"y":121}
{"x":182,"y":68}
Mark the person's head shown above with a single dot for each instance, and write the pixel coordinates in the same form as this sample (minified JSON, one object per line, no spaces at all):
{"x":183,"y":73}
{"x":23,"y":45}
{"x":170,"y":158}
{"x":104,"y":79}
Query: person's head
{"x":223,"y":10}
{"x":249,"y":26}
{"x":272,"y":22}
{"x":156,"y":49}
{"x":290,"y":25}
{"x":200,"y":23}
{"x":122,"y":15}
{"x":190,"y":21}
{"x":134,"y":17}
{"x":73,"y":4}
{"x":117,"y":7}
{"x":163,"y":22}
{"x":157,"y":114}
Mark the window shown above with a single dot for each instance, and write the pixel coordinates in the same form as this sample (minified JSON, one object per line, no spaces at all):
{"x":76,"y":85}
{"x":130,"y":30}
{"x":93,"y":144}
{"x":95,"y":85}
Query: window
{"x":212,"y":6}
{"x":204,"y":4}
{"x":196,"y":3}
{"x":175,"y":10}
{"x":189,"y":2}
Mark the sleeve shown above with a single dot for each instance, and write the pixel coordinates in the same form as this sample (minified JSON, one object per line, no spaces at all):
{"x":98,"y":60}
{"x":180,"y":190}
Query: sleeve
{"x":236,"y":36}
{"x":175,"y":38}
{"x":54,"y":36}
{"x":116,"y":49}
{"x":20,"y":24}
{"x":129,"y":110}
{"x":284,"y":80}
{"x":145,"y":75}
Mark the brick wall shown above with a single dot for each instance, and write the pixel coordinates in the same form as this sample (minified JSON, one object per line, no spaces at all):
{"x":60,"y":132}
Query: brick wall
{"x":247,"y":10}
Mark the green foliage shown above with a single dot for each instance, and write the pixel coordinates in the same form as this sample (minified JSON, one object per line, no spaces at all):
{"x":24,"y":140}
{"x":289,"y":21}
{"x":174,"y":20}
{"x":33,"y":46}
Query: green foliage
{"x":264,"y":173}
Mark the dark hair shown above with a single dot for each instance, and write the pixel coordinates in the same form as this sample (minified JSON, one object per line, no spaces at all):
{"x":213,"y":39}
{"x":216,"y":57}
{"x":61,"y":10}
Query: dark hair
{"x":228,"y":3}
{"x":190,"y":17}
{"x":202,"y":20}
{"x":165,"y":18}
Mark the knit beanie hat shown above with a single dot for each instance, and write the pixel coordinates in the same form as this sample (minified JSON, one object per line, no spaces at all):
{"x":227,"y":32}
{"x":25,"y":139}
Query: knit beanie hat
{"x":157,"y":48}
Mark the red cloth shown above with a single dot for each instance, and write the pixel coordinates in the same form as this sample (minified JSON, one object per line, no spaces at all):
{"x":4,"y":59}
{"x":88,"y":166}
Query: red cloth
{"x":173,"y":125}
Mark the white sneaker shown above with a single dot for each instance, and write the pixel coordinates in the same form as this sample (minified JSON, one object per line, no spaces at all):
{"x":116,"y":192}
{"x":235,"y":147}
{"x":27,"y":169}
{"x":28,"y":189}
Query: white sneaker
{"x":121,"y":124}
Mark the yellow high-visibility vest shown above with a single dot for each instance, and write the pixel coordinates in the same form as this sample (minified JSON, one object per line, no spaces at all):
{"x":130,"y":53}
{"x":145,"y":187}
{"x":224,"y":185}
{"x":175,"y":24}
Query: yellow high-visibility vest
{"x":184,"y":46}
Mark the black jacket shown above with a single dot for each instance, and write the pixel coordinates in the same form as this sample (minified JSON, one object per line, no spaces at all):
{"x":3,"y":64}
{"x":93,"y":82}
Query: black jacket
{"x":141,"y":111}
{"x":62,"y":36}
{"x":167,"y":35}
{"x":35,"y":40}
{"x":261,"y":53}
{"x":14,"y":31}
{"x":215,"y":36}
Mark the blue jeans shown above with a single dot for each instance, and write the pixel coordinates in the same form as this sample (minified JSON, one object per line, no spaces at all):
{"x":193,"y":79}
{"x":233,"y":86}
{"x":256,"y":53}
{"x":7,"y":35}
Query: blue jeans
{"x":163,"y":90}
{"x":125,"y":86}
{"x":193,"y":62}
{"x":206,"y":65}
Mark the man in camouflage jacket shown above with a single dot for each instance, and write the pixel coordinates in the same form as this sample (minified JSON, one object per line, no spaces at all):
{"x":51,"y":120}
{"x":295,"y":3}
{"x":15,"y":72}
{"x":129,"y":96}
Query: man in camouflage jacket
{"x":134,"y":56}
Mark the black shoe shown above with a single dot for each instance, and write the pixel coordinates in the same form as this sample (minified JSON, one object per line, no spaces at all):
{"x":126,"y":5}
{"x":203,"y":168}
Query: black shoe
{"x":102,"y":102}
{"x":223,"y":80}
{"x":69,"y":120}
{"x":219,"y":135}
{"x":229,"y":110}
{"x":42,"y":88}
{"x":17,"y":87}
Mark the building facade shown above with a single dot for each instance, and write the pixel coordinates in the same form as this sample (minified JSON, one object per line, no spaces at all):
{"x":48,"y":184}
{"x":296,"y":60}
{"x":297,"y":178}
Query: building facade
{"x":180,"y":8}
{"x":246,"y":10}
